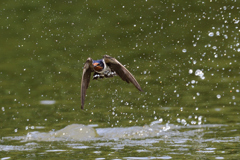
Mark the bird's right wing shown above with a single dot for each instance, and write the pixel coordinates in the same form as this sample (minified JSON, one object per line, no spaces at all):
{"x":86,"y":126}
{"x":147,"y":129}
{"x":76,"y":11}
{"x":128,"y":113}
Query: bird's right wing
{"x":87,"y":69}
{"x":121,"y":71}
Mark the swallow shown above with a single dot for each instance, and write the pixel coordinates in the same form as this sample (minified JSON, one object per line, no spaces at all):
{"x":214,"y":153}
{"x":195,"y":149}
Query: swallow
{"x":104,"y":68}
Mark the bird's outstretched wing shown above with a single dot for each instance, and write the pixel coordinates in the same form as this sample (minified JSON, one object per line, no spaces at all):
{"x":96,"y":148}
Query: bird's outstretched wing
{"x":87,"y":69}
{"x":121,"y":71}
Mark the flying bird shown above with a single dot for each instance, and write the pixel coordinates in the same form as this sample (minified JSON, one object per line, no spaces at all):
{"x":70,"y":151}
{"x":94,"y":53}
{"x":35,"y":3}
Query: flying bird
{"x":106,"y":67}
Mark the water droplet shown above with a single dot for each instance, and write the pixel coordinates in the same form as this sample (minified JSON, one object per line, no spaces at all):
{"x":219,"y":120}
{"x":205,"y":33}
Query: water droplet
{"x":184,"y":50}
{"x":210,"y":34}
{"x":214,"y":47}
{"x":217,"y":33}
{"x":47,"y":102}
{"x":190,"y":71}
{"x":199,"y":73}
{"x":226,"y":36}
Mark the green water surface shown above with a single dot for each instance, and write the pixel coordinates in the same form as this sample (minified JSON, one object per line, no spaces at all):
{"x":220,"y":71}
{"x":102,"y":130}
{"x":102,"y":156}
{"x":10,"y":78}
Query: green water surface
{"x":184,"y":54}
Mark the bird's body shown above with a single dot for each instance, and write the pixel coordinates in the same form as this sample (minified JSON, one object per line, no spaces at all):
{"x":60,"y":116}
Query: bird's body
{"x":101,"y":69}
{"x":106,"y":67}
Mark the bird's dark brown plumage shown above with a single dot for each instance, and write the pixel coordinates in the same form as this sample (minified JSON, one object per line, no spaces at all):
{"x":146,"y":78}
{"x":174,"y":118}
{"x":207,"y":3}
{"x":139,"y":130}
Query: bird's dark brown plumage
{"x":121,"y":71}
{"x":114,"y":65}
{"x":87,"y":69}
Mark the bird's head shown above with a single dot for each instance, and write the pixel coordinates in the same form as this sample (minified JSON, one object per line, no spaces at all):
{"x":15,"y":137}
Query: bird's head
{"x":98,"y":65}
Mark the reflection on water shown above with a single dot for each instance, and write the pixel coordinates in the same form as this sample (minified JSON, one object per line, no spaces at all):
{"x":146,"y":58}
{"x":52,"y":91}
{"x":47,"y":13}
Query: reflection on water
{"x":72,"y":132}
{"x":173,"y":139}
{"x":47,"y":102}
{"x":79,"y":132}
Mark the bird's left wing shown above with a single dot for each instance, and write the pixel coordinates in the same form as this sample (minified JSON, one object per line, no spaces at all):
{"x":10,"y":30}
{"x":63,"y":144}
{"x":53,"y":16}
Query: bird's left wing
{"x":87,"y":69}
{"x":121,"y":71}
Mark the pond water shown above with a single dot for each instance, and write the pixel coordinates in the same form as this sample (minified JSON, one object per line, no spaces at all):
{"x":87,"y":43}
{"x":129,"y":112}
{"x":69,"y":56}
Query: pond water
{"x":184,"y":54}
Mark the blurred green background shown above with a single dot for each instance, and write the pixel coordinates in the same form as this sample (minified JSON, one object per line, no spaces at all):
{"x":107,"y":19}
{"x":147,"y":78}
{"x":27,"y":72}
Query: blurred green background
{"x":44,"y":45}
